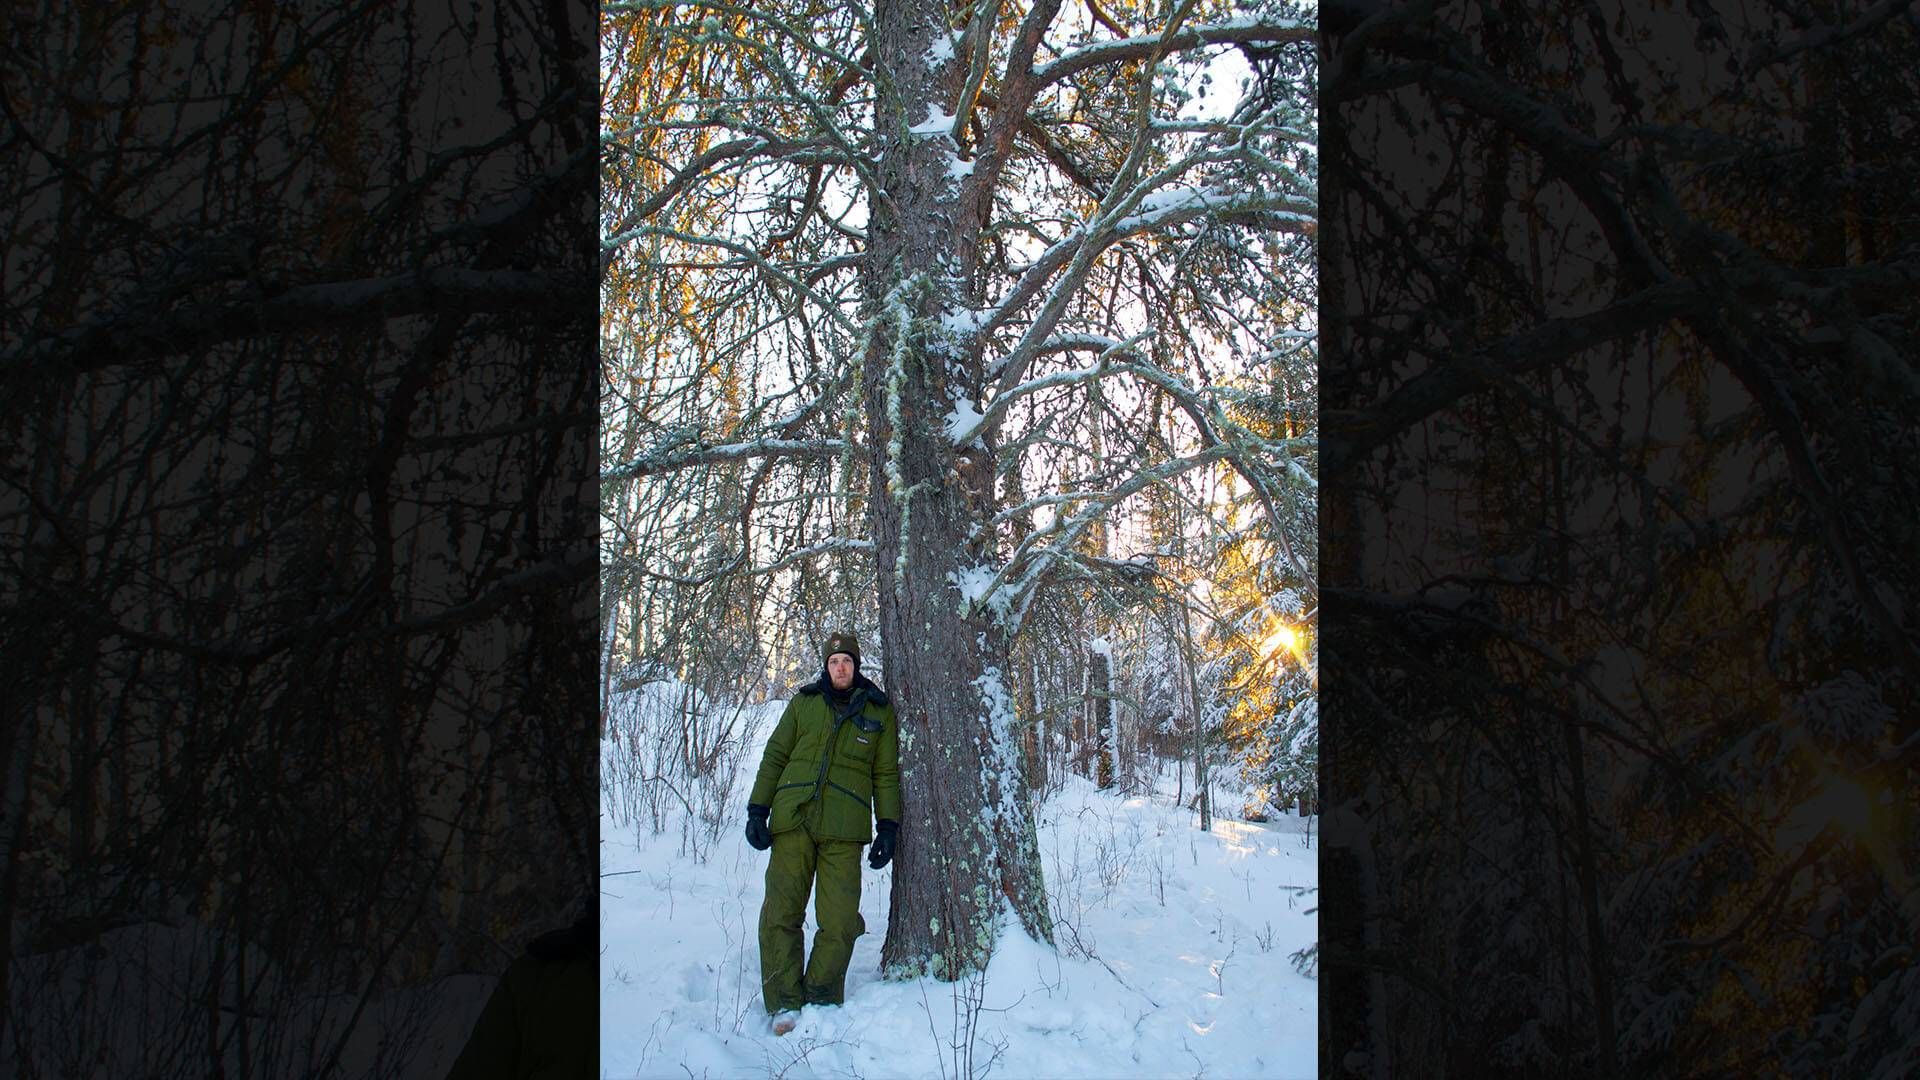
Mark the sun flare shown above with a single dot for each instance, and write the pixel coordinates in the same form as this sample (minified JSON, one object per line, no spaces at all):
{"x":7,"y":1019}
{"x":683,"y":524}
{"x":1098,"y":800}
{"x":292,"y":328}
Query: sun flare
{"x":1283,"y":637}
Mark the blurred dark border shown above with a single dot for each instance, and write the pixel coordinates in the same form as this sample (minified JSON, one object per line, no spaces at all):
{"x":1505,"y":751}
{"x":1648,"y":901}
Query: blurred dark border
{"x":1619,"y":730}
{"x":297,"y":528}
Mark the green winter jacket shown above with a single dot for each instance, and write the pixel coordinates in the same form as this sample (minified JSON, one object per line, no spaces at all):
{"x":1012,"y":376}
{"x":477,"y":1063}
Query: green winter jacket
{"x":833,"y":773}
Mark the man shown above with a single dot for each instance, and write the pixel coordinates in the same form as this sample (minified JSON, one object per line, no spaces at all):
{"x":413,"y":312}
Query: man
{"x":833,"y":760}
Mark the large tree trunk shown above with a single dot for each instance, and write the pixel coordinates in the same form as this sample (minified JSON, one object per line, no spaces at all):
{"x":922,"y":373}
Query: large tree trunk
{"x":968,"y":841}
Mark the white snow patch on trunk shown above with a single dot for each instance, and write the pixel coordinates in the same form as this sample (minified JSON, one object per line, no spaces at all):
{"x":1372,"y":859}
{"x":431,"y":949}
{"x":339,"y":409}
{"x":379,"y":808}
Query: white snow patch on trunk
{"x":972,"y":582}
{"x":961,"y":420}
{"x":936,"y":123}
{"x":966,"y":320}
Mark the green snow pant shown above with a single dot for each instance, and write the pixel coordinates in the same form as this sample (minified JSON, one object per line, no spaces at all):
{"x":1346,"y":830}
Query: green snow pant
{"x":798,"y":858}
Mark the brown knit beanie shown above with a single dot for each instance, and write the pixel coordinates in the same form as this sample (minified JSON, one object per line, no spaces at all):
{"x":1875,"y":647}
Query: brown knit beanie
{"x":843,"y":641}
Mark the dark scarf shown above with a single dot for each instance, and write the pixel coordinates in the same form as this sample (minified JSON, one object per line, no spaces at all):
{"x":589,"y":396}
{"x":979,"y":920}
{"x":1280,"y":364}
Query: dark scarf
{"x":841,"y":700}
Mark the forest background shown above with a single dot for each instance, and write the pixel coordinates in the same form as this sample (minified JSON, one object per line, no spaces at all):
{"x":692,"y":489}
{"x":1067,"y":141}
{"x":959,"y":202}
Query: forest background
{"x":986,"y":332}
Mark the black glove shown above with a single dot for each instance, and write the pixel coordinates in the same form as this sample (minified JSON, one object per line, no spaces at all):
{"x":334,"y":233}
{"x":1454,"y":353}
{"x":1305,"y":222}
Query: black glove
{"x":758,"y":835}
{"x":882,"y":851}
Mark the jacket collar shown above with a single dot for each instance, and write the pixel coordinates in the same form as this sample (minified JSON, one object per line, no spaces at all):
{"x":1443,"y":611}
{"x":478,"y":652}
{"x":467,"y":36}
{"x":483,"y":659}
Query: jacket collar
{"x":860,"y":682}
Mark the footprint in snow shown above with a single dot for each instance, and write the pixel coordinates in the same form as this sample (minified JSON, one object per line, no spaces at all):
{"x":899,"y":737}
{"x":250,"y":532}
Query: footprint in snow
{"x":697,"y":981}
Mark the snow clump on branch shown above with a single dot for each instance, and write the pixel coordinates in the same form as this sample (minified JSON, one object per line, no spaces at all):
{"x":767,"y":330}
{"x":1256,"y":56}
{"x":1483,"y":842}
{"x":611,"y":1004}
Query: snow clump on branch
{"x":964,"y":418}
{"x":976,"y":587}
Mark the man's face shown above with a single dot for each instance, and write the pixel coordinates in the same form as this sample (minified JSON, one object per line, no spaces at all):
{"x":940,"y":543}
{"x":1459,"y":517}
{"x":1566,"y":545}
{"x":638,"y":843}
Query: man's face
{"x":840,"y":670}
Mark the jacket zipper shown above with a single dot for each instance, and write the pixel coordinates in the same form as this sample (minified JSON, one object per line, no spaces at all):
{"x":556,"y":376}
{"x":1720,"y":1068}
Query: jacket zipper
{"x":826,"y":756}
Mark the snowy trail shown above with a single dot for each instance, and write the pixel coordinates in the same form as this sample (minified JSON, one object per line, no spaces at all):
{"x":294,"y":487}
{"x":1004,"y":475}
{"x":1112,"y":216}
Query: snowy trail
{"x":1190,"y":935}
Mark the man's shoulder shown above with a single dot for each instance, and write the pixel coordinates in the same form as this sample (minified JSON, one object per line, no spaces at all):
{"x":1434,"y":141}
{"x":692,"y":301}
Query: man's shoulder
{"x":875,"y":696}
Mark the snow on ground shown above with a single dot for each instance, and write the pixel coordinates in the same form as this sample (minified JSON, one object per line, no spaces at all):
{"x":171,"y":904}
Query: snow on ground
{"x":1173,"y":959}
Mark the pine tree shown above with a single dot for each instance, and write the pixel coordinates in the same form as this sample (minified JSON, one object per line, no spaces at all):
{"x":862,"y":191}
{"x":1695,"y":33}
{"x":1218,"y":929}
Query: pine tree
{"x":909,"y":224}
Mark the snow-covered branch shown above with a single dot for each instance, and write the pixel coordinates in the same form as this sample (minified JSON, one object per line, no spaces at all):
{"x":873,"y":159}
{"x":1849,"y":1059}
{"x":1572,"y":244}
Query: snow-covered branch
{"x":990,"y":420}
{"x":826,"y":306}
{"x":680,"y":181}
{"x":1153,"y":203}
{"x":1030,"y":559}
{"x":672,"y":460}
{"x":1105,"y":230}
{"x":1079,"y":250}
{"x":1232,"y":31}
{"x":978,"y":43}
{"x":832,"y":546}
{"x":804,"y":36}
{"x":1055,"y":499}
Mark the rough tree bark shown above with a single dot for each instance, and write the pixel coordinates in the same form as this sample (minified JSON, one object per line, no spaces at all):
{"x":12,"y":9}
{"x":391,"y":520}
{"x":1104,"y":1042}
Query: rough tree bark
{"x":968,"y":846}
